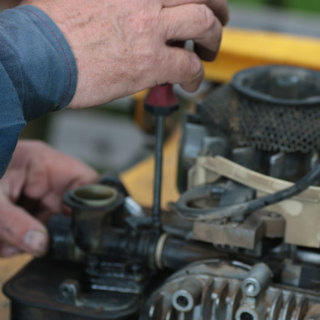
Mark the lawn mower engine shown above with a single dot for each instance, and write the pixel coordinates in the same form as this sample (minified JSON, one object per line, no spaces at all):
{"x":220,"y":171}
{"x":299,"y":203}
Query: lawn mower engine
{"x":241,"y":243}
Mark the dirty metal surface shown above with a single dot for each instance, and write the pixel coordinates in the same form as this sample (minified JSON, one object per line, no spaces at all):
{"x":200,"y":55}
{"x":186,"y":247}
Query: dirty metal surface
{"x":300,"y":212}
{"x":219,"y":290}
{"x":34,"y":295}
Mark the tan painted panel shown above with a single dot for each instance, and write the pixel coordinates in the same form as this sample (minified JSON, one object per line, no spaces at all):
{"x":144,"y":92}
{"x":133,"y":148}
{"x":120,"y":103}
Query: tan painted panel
{"x":302,"y":212}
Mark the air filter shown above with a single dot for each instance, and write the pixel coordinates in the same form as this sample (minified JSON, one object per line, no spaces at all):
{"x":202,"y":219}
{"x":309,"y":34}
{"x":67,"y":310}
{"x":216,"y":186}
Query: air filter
{"x":270,"y":108}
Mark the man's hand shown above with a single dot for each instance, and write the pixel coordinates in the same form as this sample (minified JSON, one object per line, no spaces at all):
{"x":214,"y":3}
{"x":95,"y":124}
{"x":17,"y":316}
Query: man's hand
{"x":124,"y":46}
{"x":32,"y":190}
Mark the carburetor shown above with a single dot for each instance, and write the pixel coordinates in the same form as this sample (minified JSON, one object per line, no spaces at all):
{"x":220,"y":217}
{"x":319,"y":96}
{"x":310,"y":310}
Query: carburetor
{"x":241,"y":243}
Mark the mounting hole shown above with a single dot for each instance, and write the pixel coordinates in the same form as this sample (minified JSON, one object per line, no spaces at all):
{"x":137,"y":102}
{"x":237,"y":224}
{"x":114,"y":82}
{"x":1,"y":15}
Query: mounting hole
{"x":246,"y":313}
{"x":246,"y":316}
{"x":182,"y":301}
{"x":65,"y":290}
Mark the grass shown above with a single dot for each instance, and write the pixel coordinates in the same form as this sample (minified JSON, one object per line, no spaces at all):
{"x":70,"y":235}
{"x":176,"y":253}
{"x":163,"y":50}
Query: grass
{"x":301,"y":5}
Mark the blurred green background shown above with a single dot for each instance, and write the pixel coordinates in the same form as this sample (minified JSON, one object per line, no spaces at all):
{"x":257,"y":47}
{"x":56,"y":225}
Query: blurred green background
{"x":304,"y":5}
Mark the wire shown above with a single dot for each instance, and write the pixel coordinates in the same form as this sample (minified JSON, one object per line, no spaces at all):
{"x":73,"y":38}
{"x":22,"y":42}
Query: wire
{"x":241,"y":209}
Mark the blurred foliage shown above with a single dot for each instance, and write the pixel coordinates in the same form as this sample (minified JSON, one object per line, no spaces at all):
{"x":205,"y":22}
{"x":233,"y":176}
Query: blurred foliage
{"x":304,"y":5}
{"x":310,"y":5}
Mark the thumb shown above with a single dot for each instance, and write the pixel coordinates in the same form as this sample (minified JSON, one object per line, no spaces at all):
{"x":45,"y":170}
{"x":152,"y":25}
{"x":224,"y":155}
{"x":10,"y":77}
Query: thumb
{"x":19,"y":229}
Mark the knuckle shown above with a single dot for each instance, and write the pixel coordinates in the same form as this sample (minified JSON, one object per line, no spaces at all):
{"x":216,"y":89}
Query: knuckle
{"x":206,"y":17}
{"x":194,"y":66}
{"x":143,"y":21}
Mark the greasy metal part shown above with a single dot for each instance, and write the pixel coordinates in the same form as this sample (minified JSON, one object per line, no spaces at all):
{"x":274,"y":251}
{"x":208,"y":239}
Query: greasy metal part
{"x":62,"y":244}
{"x":300,"y":274}
{"x":185,"y":299}
{"x":107,"y":274}
{"x":158,"y":172}
{"x":37,"y":296}
{"x":201,"y":276}
{"x":130,"y":246}
{"x":94,"y":195}
{"x":93,"y":207}
{"x":144,"y":247}
{"x":277,"y":165}
{"x":308,"y":257}
{"x":175,"y":225}
{"x":159,"y":250}
{"x":275,"y":225}
{"x":177,"y":253}
{"x":240,"y":210}
{"x":247,"y":157}
{"x":257,"y":280}
{"x":115,"y":275}
{"x":236,"y":193}
{"x":291,"y":274}
{"x":246,"y":234}
{"x":108,"y":261}
{"x":189,"y":148}
{"x":212,"y":290}
{"x":300,"y":212}
{"x":213,"y":146}
{"x":69,"y":292}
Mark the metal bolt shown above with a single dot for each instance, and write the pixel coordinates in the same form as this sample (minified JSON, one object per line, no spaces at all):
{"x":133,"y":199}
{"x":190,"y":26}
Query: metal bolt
{"x":257,"y":279}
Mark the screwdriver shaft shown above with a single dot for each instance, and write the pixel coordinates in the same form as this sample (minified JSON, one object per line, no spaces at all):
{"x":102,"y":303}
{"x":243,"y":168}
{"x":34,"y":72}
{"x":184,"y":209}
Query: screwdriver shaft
{"x":158,"y":171}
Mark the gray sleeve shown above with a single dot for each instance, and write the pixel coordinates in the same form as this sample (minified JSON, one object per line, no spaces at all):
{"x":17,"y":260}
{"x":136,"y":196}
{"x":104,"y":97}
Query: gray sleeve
{"x":38,"y":72}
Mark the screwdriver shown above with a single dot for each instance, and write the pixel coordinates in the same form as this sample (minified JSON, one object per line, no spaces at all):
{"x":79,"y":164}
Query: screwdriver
{"x":160,"y":102}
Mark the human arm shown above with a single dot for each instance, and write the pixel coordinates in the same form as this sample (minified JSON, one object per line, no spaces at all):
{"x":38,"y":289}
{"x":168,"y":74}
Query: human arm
{"x":125,"y":46}
{"x":118,"y":48}
{"x":37,"y":73}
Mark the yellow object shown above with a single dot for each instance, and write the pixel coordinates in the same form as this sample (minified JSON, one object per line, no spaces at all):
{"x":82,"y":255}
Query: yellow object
{"x":139,"y":179}
{"x":242,"y":49}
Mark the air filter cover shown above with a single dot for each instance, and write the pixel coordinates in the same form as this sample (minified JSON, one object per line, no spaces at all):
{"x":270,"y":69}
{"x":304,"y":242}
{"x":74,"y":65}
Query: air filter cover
{"x":271,"y":108}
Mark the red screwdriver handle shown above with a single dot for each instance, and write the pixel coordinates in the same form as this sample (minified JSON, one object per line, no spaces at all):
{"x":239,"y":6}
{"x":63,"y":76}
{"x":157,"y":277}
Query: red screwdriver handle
{"x":161,"y":100}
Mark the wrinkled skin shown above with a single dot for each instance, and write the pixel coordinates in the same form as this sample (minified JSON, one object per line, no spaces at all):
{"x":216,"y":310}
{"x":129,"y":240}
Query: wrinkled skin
{"x":31,"y":191}
{"x":124,"y":46}
{"x":120,"y":48}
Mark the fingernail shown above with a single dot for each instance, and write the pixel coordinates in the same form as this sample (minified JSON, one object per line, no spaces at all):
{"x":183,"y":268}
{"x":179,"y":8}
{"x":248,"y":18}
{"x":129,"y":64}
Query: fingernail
{"x":36,"y":241}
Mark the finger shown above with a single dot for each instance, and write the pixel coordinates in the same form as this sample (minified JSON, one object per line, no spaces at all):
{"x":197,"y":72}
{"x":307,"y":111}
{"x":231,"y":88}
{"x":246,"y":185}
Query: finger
{"x":50,"y":204}
{"x":7,"y":250}
{"x":52,"y":171}
{"x":20,"y":230}
{"x":206,"y":28}
{"x":182,"y":66}
{"x":37,"y":183}
{"x":205,"y":53}
{"x":219,"y":7}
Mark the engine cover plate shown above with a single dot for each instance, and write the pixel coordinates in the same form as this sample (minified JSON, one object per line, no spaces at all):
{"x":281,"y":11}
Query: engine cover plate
{"x":34,"y":294}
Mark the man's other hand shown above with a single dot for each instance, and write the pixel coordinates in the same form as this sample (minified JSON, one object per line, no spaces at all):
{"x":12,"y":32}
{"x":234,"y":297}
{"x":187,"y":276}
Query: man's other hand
{"x":124,"y":46}
{"x":31,"y":191}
